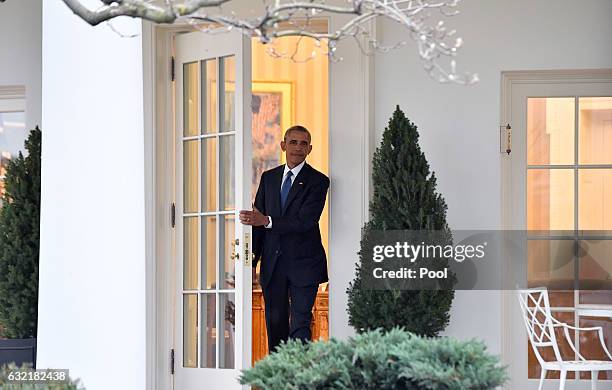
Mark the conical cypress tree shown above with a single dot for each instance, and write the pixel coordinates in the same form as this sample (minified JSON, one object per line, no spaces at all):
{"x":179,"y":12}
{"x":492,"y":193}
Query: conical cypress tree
{"x":19,"y":243}
{"x":404,"y":198}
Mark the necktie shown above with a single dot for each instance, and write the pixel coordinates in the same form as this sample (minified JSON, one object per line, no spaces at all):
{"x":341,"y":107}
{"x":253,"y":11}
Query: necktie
{"x":285,"y":188}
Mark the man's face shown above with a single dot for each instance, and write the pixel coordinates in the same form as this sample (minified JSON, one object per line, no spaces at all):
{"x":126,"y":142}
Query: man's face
{"x":296,"y":147}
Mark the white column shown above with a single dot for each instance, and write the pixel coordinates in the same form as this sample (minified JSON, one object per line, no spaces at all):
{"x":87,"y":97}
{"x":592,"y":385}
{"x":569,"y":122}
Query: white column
{"x":92,"y":263}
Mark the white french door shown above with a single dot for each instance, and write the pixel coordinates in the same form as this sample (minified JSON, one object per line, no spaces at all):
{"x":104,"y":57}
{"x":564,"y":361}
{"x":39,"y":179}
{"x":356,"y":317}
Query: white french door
{"x":212,"y":324}
{"x":558,"y":179}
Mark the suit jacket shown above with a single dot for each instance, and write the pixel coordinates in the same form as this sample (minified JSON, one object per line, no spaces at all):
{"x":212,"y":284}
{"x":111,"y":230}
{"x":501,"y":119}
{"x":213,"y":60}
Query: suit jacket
{"x":294,"y":236}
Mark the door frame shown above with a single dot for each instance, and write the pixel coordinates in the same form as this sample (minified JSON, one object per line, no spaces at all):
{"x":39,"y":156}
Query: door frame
{"x":510,"y":79}
{"x":158,"y":95}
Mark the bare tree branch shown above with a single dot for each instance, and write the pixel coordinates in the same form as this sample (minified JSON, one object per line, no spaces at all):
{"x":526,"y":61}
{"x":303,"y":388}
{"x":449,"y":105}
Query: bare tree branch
{"x":139,"y":9}
{"x":433,"y":41}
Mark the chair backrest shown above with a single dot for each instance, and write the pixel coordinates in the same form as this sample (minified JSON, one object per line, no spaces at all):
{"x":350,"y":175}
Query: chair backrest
{"x":538,"y":321}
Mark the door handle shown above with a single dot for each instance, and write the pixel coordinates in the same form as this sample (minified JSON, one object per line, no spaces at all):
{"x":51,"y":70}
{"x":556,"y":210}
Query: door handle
{"x":235,"y":255}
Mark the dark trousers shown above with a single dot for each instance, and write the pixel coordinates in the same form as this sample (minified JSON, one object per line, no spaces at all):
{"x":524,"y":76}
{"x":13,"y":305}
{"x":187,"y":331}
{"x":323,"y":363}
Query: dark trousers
{"x":288,"y":307}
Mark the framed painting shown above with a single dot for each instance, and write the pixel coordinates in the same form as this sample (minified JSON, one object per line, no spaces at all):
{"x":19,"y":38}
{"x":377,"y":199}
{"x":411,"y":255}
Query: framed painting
{"x":272,"y":108}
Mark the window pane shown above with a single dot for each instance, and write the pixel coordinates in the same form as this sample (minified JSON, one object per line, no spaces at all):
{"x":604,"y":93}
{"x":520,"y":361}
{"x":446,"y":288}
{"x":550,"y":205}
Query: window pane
{"x":190,"y":253}
{"x":227,"y":172}
{"x":595,"y":264}
{"x":12,"y":133}
{"x":190,"y":99}
{"x":595,"y":130}
{"x":209,"y":174}
{"x":209,"y":252}
{"x":228,"y":330}
{"x":595,"y":199}
{"x":190,"y":334}
{"x":209,"y":331}
{"x":534,"y":368}
{"x":190,"y":177}
{"x":550,"y":199}
{"x":561,"y":298}
{"x":229,"y":93}
{"x":551,"y":264}
{"x":590,"y":346}
{"x":209,"y":96}
{"x":550,"y":131}
{"x":12,"y":137}
{"x":596,"y":297}
{"x":228,"y":268}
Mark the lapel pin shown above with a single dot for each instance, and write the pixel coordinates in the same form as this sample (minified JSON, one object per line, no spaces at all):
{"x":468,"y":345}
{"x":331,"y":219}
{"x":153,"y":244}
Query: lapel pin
{"x":300,"y":183}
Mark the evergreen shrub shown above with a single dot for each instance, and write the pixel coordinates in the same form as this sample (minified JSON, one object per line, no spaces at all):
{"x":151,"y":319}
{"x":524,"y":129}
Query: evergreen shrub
{"x":19,"y":243}
{"x":378,"y":360}
{"x":404,"y":198}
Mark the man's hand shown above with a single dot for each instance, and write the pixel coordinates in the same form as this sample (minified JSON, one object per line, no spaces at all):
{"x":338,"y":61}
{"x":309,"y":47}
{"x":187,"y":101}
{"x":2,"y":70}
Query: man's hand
{"x":253,"y":218}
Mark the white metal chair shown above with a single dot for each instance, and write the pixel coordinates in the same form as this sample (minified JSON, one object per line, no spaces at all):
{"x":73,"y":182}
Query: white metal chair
{"x":541,"y":327}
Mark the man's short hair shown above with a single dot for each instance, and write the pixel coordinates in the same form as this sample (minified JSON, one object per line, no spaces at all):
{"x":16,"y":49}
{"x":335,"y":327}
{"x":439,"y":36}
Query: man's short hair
{"x":297,"y":128}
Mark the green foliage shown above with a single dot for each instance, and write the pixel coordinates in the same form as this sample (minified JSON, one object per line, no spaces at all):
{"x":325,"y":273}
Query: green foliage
{"x":378,"y":360}
{"x":19,"y":243}
{"x":5,"y":371}
{"x":404,"y":198}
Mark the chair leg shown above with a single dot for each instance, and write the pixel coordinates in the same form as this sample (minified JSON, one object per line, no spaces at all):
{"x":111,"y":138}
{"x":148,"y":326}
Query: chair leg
{"x":562,"y":381}
{"x":542,"y":377}
{"x":594,"y":375}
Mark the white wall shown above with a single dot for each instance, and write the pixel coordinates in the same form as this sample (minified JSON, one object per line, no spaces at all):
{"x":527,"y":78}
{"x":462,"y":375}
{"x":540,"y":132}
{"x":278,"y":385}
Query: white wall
{"x":92,"y":264}
{"x":20,"y":52}
{"x":459,"y":125}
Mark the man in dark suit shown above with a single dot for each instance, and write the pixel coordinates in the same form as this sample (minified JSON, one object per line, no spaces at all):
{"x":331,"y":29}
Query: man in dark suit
{"x":287,"y":240}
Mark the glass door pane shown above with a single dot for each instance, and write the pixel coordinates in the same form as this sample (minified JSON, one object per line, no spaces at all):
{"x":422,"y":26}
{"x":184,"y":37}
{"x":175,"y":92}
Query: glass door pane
{"x":190,"y":253}
{"x":595,"y":130}
{"x":595,"y":199}
{"x":550,"y":131}
{"x":229,"y":93}
{"x":209,"y":252}
{"x":227,"y":330}
{"x":209,"y":330}
{"x":190,"y":99}
{"x":227,"y":265}
{"x":209,"y":96}
{"x":228,"y":173}
{"x":190,"y":333}
{"x":13,"y":134}
{"x":190,"y":177}
{"x":209,"y":174}
{"x":550,"y":199}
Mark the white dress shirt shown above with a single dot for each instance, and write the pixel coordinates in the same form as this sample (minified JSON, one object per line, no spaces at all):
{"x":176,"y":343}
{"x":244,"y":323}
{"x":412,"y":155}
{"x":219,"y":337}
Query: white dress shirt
{"x":295,"y":170}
